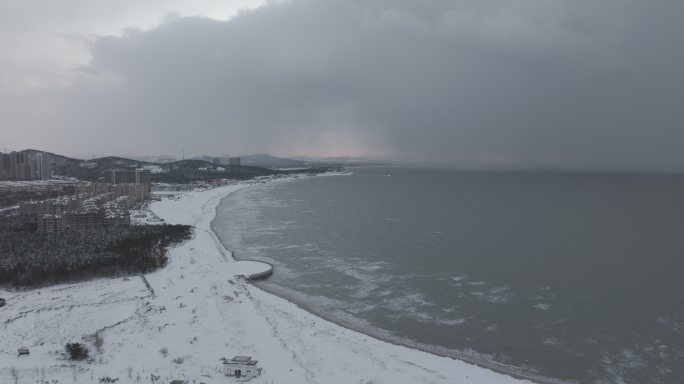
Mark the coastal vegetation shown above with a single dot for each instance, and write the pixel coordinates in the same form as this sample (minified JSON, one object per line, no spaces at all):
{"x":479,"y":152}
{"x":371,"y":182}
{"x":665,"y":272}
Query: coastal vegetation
{"x":187,"y":171}
{"x":30,"y":259}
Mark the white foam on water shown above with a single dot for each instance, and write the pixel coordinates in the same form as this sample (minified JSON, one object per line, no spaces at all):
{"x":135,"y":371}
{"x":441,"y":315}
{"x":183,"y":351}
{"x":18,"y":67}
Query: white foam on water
{"x":458,"y":321}
{"x":373,"y":266}
{"x":499,"y":289}
{"x":673,"y":324}
{"x":367,"y":275}
{"x":410,"y":305}
{"x":476,"y":283}
{"x":498,"y":299}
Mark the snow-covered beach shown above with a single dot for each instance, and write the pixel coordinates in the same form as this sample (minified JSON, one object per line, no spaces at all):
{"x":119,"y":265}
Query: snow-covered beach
{"x":194,"y":312}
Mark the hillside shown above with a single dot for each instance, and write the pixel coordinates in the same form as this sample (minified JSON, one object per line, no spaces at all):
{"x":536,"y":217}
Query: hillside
{"x":268,"y":161}
{"x":181,"y":171}
{"x":204,"y":168}
{"x":184,"y":171}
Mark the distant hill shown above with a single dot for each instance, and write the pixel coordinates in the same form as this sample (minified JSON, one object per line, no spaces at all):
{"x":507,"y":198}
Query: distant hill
{"x":57,"y":159}
{"x":91,"y":170}
{"x":184,"y":171}
{"x":257,"y":160}
{"x":208,"y":159}
{"x":268,"y":161}
{"x":154,"y":159}
{"x":203,"y":168}
{"x":175,"y":172}
{"x":343,"y":161}
{"x":118,"y":162}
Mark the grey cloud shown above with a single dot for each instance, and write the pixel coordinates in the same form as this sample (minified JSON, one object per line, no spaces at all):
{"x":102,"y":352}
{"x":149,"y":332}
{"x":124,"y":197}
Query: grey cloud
{"x":526,"y":83}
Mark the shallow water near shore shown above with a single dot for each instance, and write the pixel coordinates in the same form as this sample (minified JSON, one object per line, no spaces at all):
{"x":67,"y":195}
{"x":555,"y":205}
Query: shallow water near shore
{"x":571,"y":276}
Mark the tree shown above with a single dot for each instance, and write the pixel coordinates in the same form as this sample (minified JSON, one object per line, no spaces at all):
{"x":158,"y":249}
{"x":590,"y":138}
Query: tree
{"x":77,"y":351}
{"x":99,"y":342}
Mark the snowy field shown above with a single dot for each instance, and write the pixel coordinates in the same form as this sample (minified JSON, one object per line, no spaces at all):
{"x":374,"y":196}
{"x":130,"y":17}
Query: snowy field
{"x":178,"y":322}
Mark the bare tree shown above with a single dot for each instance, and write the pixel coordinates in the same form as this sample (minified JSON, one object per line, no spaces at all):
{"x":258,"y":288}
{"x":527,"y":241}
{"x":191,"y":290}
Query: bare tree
{"x":15,"y":375}
{"x":99,"y":342}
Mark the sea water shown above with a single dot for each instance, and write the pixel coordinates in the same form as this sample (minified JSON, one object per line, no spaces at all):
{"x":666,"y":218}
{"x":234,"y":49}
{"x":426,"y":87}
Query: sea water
{"x":573,"y":277}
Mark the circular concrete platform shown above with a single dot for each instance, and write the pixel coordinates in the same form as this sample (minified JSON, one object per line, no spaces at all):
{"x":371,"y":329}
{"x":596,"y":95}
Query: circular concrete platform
{"x":252,"y":270}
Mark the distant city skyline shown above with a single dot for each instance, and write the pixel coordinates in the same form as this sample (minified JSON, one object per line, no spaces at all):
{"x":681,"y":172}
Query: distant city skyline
{"x":551,"y":84}
{"x":182,"y":155}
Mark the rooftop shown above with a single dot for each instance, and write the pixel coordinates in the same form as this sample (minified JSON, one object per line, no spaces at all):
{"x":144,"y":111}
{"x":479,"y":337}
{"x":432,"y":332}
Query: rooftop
{"x":242,"y":360}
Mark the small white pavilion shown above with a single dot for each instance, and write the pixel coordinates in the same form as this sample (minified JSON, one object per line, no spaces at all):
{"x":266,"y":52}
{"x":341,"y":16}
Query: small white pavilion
{"x":242,"y":368}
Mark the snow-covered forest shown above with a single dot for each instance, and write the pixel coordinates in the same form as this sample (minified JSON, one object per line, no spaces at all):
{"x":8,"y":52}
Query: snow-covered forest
{"x":29,"y":259}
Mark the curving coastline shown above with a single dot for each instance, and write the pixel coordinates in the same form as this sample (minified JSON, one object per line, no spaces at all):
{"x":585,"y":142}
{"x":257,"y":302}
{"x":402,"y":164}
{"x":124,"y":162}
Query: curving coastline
{"x":383,"y":336}
{"x":200,"y":312}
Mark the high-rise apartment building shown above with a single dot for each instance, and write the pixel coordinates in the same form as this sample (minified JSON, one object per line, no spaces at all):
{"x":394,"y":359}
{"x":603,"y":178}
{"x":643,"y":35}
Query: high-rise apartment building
{"x":25,"y":165}
{"x":44,"y":166}
{"x":6,"y":168}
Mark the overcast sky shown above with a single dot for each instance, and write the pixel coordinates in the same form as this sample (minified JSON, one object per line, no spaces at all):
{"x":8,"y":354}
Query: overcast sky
{"x":541,"y":83}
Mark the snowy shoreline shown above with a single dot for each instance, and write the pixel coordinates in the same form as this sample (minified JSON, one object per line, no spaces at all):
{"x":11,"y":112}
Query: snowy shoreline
{"x":194,"y":313}
{"x":481,"y":361}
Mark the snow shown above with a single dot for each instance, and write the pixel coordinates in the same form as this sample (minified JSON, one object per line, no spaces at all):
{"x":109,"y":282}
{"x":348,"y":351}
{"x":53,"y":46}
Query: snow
{"x":155,"y":169}
{"x":37,"y":183}
{"x":144,"y":216}
{"x":9,"y":208}
{"x":193,"y":313}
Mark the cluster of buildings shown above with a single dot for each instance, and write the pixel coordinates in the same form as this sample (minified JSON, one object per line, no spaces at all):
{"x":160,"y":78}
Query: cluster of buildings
{"x":25,"y":165}
{"x":101,"y":204}
{"x":127,"y":176}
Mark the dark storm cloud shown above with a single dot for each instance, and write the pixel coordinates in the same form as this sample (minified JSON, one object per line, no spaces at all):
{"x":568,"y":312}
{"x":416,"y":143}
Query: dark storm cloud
{"x":536,"y":83}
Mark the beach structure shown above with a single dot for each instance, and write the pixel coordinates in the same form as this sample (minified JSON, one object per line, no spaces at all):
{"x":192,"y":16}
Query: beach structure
{"x":242,"y":368}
